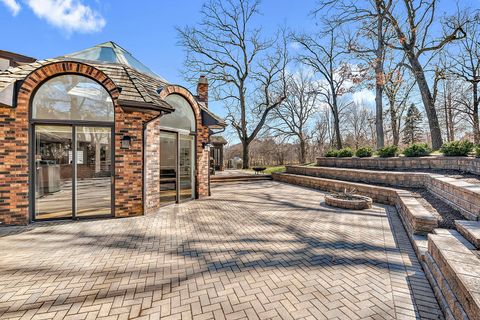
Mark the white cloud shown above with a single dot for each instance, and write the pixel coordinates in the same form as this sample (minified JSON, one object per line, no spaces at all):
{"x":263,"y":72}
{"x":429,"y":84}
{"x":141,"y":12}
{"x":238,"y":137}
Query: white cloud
{"x":364,"y":96}
{"x":13,"y":5}
{"x":68,"y":15}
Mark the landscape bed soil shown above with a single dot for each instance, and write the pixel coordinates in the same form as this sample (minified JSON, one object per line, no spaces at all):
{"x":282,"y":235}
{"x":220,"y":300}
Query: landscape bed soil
{"x":447,"y":214}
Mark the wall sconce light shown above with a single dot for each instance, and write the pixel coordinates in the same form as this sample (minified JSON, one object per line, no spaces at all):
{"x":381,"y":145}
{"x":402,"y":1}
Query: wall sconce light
{"x":206,"y":146}
{"x":126,"y":140}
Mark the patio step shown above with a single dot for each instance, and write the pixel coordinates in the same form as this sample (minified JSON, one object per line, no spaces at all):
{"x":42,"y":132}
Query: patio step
{"x":239,"y":178}
{"x":470,"y":230}
{"x":456,"y":273}
{"x":461,"y":195}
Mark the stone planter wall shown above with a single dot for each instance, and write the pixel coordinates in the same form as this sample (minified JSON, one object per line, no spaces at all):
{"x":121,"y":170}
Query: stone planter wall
{"x":465,"y":164}
{"x":461,"y":195}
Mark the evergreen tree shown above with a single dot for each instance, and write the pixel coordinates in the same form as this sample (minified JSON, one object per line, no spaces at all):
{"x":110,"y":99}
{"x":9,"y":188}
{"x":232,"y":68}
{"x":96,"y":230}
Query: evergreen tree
{"x":413,"y":130}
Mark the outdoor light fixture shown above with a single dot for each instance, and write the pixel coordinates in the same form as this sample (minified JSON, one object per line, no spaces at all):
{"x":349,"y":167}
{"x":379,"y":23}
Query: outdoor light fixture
{"x":206,"y":145}
{"x":126,"y":142}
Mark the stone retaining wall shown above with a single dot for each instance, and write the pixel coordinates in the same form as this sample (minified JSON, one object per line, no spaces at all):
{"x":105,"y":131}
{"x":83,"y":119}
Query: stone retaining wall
{"x":454,"y":274}
{"x":464,"y":164}
{"x":416,"y":218}
{"x":461,"y":195}
{"x":449,"y":262}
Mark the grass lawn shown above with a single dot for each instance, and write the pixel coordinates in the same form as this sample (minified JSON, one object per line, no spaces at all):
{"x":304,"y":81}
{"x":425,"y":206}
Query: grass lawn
{"x":270,"y":170}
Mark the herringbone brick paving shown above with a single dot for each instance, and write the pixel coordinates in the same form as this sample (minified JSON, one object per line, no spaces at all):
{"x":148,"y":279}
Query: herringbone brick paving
{"x":259,"y":250}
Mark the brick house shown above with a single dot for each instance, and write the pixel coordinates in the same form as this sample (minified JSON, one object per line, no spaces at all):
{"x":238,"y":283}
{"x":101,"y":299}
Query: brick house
{"x":97,"y":133}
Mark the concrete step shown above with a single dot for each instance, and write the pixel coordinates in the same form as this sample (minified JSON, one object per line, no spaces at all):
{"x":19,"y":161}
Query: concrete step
{"x":226,"y":179}
{"x":470,"y":230}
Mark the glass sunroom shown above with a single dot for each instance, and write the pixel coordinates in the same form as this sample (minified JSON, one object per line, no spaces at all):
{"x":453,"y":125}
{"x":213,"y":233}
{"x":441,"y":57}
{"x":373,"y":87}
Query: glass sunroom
{"x":102,"y":136}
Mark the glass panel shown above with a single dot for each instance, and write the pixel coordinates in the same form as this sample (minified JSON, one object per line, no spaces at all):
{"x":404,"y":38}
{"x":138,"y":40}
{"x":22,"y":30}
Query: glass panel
{"x":103,"y":54}
{"x":183,"y":116}
{"x":73,"y":97}
{"x":53,"y":172}
{"x":186,"y":167}
{"x":168,"y":167}
{"x":94,"y":171}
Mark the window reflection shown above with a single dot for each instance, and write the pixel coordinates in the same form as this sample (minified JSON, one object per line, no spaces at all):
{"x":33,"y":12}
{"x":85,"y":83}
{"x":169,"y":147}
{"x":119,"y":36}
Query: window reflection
{"x":72,"y":97}
{"x":182,"y":118}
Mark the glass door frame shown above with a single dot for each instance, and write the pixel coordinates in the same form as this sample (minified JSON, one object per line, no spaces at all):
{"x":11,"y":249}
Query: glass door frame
{"x":32,"y":167}
{"x":177,"y":133}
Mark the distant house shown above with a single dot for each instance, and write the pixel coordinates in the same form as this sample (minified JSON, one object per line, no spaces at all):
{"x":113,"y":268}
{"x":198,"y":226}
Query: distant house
{"x":96,"y":133}
{"x":11,"y":60}
{"x":216,"y":151}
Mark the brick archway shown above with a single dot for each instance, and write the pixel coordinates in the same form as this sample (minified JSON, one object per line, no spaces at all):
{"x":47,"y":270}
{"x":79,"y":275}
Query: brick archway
{"x":176,"y":89}
{"x":36,"y":78}
{"x":202,"y":158}
{"x":15,"y":135}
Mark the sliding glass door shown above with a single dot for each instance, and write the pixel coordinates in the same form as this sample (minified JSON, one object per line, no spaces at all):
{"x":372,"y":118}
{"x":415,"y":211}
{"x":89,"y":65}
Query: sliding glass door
{"x":53,"y":172}
{"x":177,"y":167}
{"x":94,"y":171}
{"x":186,"y":165}
{"x":168,"y":167}
{"x":73,"y":171}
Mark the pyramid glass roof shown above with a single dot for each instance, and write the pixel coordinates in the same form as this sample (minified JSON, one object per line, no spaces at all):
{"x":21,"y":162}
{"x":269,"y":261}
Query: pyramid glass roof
{"x":110,"y":52}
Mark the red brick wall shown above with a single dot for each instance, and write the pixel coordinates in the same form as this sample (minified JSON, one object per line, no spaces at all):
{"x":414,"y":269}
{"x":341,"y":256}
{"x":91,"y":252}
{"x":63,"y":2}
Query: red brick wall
{"x":129,"y":163}
{"x":14,"y":206}
{"x":128,"y":179}
{"x":152,"y":166}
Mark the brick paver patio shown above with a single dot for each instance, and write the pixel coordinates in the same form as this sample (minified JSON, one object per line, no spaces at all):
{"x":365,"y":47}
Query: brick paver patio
{"x":254,"y":250}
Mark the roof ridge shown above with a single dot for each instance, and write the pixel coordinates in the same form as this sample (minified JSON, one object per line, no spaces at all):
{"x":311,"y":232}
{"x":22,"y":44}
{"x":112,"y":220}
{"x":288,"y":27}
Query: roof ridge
{"x":142,"y":91}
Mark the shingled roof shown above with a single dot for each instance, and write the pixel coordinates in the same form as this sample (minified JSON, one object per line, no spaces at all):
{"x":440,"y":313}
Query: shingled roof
{"x":140,"y":86}
{"x":136,"y":88}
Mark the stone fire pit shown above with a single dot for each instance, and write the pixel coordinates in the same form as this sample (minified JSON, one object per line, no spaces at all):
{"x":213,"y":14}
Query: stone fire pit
{"x":348,"y":201}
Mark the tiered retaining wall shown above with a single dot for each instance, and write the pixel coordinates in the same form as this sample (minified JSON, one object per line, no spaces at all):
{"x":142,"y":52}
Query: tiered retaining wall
{"x":416,"y":218}
{"x":464,"y":164}
{"x":459,"y":194}
{"x":448,"y":259}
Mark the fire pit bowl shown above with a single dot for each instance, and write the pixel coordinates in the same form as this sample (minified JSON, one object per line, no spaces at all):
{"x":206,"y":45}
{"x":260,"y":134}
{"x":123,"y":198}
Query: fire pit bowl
{"x":348,"y":201}
{"x":259,"y":169}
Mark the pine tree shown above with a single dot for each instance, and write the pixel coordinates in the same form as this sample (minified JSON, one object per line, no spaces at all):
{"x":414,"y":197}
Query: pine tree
{"x":413,"y":130}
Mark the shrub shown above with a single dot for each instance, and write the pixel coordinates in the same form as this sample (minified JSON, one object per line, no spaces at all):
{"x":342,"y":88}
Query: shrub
{"x":477,"y":151}
{"x":417,"y":150}
{"x":364,"y":152}
{"x":457,"y":148}
{"x":331,"y":153}
{"x":345,"y":153}
{"x":388,"y":151}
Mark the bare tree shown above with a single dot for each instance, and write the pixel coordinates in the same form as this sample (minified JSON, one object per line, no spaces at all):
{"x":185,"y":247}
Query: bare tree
{"x":465,"y":66}
{"x":294,"y":116}
{"x":357,"y":122}
{"x":327,"y":60}
{"x":415,"y":40}
{"x":247,"y":71}
{"x":397,"y":91}
{"x":367,"y":41}
{"x":322,"y":133}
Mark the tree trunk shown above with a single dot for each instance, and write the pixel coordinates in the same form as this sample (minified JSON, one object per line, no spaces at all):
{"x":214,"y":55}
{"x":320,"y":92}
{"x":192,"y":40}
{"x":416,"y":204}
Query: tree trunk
{"x":450,"y":127}
{"x":476,"y":124}
{"x":302,"y":150}
{"x":429,"y":104}
{"x":394,"y":123}
{"x":338,"y":136}
{"x":379,"y":80}
{"x":245,"y":155}
{"x":379,"y":116}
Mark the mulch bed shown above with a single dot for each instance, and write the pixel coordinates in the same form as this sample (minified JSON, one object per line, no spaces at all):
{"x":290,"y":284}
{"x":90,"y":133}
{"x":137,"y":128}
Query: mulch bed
{"x":444,"y":211}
